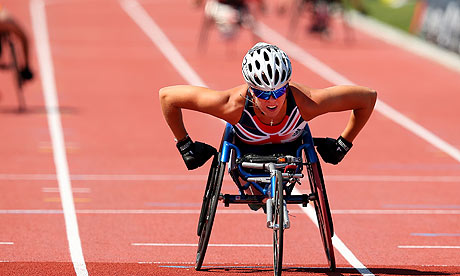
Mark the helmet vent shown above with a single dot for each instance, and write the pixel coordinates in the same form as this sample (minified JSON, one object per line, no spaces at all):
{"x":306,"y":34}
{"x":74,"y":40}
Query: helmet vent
{"x":250,"y":67}
{"x":277,"y":61}
{"x":257,"y":65}
{"x":269,"y":69}
{"x":256,"y":79}
{"x":264,"y":78}
{"x":283,"y":76}
{"x":266,"y":57}
{"x":277,"y":76}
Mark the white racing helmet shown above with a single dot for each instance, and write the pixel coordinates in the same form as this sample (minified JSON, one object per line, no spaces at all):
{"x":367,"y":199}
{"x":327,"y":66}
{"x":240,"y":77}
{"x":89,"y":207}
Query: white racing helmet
{"x":266,"y":67}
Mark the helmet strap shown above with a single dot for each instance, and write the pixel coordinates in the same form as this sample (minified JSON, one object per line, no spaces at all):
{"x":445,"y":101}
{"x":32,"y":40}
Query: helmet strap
{"x":252,"y":101}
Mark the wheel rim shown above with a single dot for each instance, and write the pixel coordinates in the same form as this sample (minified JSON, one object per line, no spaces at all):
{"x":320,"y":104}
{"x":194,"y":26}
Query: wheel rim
{"x":321,"y":208}
{"x":208,"y":220}
{"x":278,"y":226}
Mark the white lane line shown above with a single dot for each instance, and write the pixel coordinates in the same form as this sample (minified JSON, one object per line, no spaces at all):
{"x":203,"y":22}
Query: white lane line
{"x":40,"y":29}
{"x":436,"y":234}
{"x":151,"y":29}
{"x":74,"y":190}
{"x":395,"y":212}
{"x":147,"y":24}
{"x":150,"y":262}
{"x":391,"y":178}
{"x":334,"y":77}
{"x":336,"y":241}
{"x":194,"y":244}
{"x":6,"y":243}
{"x":223,"y":212}
{"x":429,"y":246}
{"x":170,"y":177}
{"x":106,"y":177}
{"x":122,"y":212}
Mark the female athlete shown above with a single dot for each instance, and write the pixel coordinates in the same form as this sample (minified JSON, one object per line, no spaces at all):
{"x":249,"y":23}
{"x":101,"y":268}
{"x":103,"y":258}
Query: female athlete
{"x":269,"y":111}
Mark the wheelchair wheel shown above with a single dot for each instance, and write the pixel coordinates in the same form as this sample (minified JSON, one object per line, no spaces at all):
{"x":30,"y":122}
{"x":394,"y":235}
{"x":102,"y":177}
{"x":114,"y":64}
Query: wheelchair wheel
{"x":323,"y":212}
{"x":278,"y":224}
{"x":207,"y":216}
{"x":207,"y":195}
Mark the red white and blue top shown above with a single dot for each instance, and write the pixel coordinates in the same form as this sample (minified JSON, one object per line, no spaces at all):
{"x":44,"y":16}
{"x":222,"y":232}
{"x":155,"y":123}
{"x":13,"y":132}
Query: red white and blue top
{"x":251,"y":130}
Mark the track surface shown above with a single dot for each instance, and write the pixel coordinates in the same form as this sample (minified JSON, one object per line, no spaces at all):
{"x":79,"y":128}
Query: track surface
{"x":394,"y":198}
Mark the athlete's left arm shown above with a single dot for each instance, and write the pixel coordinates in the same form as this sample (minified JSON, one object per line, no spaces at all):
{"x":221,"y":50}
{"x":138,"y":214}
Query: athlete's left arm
{"x":360,"y":100}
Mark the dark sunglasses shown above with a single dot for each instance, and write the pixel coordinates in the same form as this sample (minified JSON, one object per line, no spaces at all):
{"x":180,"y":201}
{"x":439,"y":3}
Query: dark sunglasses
{"x":265,"y":95}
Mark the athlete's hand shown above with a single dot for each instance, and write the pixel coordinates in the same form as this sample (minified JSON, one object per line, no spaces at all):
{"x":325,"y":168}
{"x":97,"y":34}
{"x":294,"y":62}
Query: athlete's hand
{"x":26,"y":74}
{"x":195,"y":154}
{"x":332,"y":150}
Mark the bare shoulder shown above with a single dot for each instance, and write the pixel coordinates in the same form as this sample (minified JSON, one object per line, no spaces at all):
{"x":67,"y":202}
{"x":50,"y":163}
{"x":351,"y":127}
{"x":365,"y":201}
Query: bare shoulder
{"x":303,"y":96}
{"x":313,"y":102}
{"x":227,"y":101}
{"x":225,"y":104}
{"x":235,"y":103}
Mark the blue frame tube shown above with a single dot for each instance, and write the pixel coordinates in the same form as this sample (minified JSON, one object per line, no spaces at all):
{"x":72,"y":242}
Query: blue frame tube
{"x":227,"y":146}
{"x":272,"y":185}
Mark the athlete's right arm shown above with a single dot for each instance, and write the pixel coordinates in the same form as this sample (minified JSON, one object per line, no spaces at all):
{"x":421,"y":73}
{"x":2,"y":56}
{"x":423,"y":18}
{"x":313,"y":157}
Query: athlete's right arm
{"x":217,"y":103}
{"x":225,"y":105}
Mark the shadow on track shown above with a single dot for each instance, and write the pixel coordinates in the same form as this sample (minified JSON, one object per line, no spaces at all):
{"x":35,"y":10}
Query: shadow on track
{"x":37,"y":110}
{"x":325,"y":271}
{"x":179,"y":269}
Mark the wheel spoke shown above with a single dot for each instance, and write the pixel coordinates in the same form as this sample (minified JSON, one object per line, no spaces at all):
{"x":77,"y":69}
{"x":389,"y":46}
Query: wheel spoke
{"x":278,"y":225}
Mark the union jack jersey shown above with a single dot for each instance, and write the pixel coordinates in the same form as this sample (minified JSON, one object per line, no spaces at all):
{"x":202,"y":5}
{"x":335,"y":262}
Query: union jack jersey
{"x":251,"y":130}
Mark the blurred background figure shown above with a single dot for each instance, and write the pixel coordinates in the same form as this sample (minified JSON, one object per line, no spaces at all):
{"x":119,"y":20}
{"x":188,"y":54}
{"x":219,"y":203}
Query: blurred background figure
{"x":11,"y":30}
{"x":228,"y":16}
{"x":282,"y":6}
{"x":357,"y":5}
{"x":318,"y":14}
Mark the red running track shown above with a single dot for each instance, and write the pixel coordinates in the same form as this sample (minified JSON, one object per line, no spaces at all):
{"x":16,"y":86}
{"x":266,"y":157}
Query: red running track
{"x":393,"y":198}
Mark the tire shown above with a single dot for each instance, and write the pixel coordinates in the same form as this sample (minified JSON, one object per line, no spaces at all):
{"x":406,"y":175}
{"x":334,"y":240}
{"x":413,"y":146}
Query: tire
{"x":278,"y":220}
{"x":207,"y":195}
{"x":207,"y":220}
{"x":323,"y":212}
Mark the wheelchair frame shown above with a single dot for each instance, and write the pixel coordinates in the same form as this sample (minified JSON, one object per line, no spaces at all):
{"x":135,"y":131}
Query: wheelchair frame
{"x":276,"y":194}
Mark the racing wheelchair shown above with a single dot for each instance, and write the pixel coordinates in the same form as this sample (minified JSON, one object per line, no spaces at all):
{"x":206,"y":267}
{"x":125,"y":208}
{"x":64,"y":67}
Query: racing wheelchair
{"x":275,"y":177}
{"x":321,"y":13}
{"x":11,"y":62}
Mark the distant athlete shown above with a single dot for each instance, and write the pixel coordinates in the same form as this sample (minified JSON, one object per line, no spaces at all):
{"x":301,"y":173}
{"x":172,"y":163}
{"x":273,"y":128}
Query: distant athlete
{"x":8,"y":26}
{"x":229,"y":15}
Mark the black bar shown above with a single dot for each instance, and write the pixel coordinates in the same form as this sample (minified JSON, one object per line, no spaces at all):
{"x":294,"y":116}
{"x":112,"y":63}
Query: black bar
{"x":245,"y":199}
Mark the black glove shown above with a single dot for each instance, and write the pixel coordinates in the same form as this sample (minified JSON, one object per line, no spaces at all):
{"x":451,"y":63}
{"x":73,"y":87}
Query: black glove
{"x":26,"y":74}
{"x":195,"y":154}
{"x":332,"y":150}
